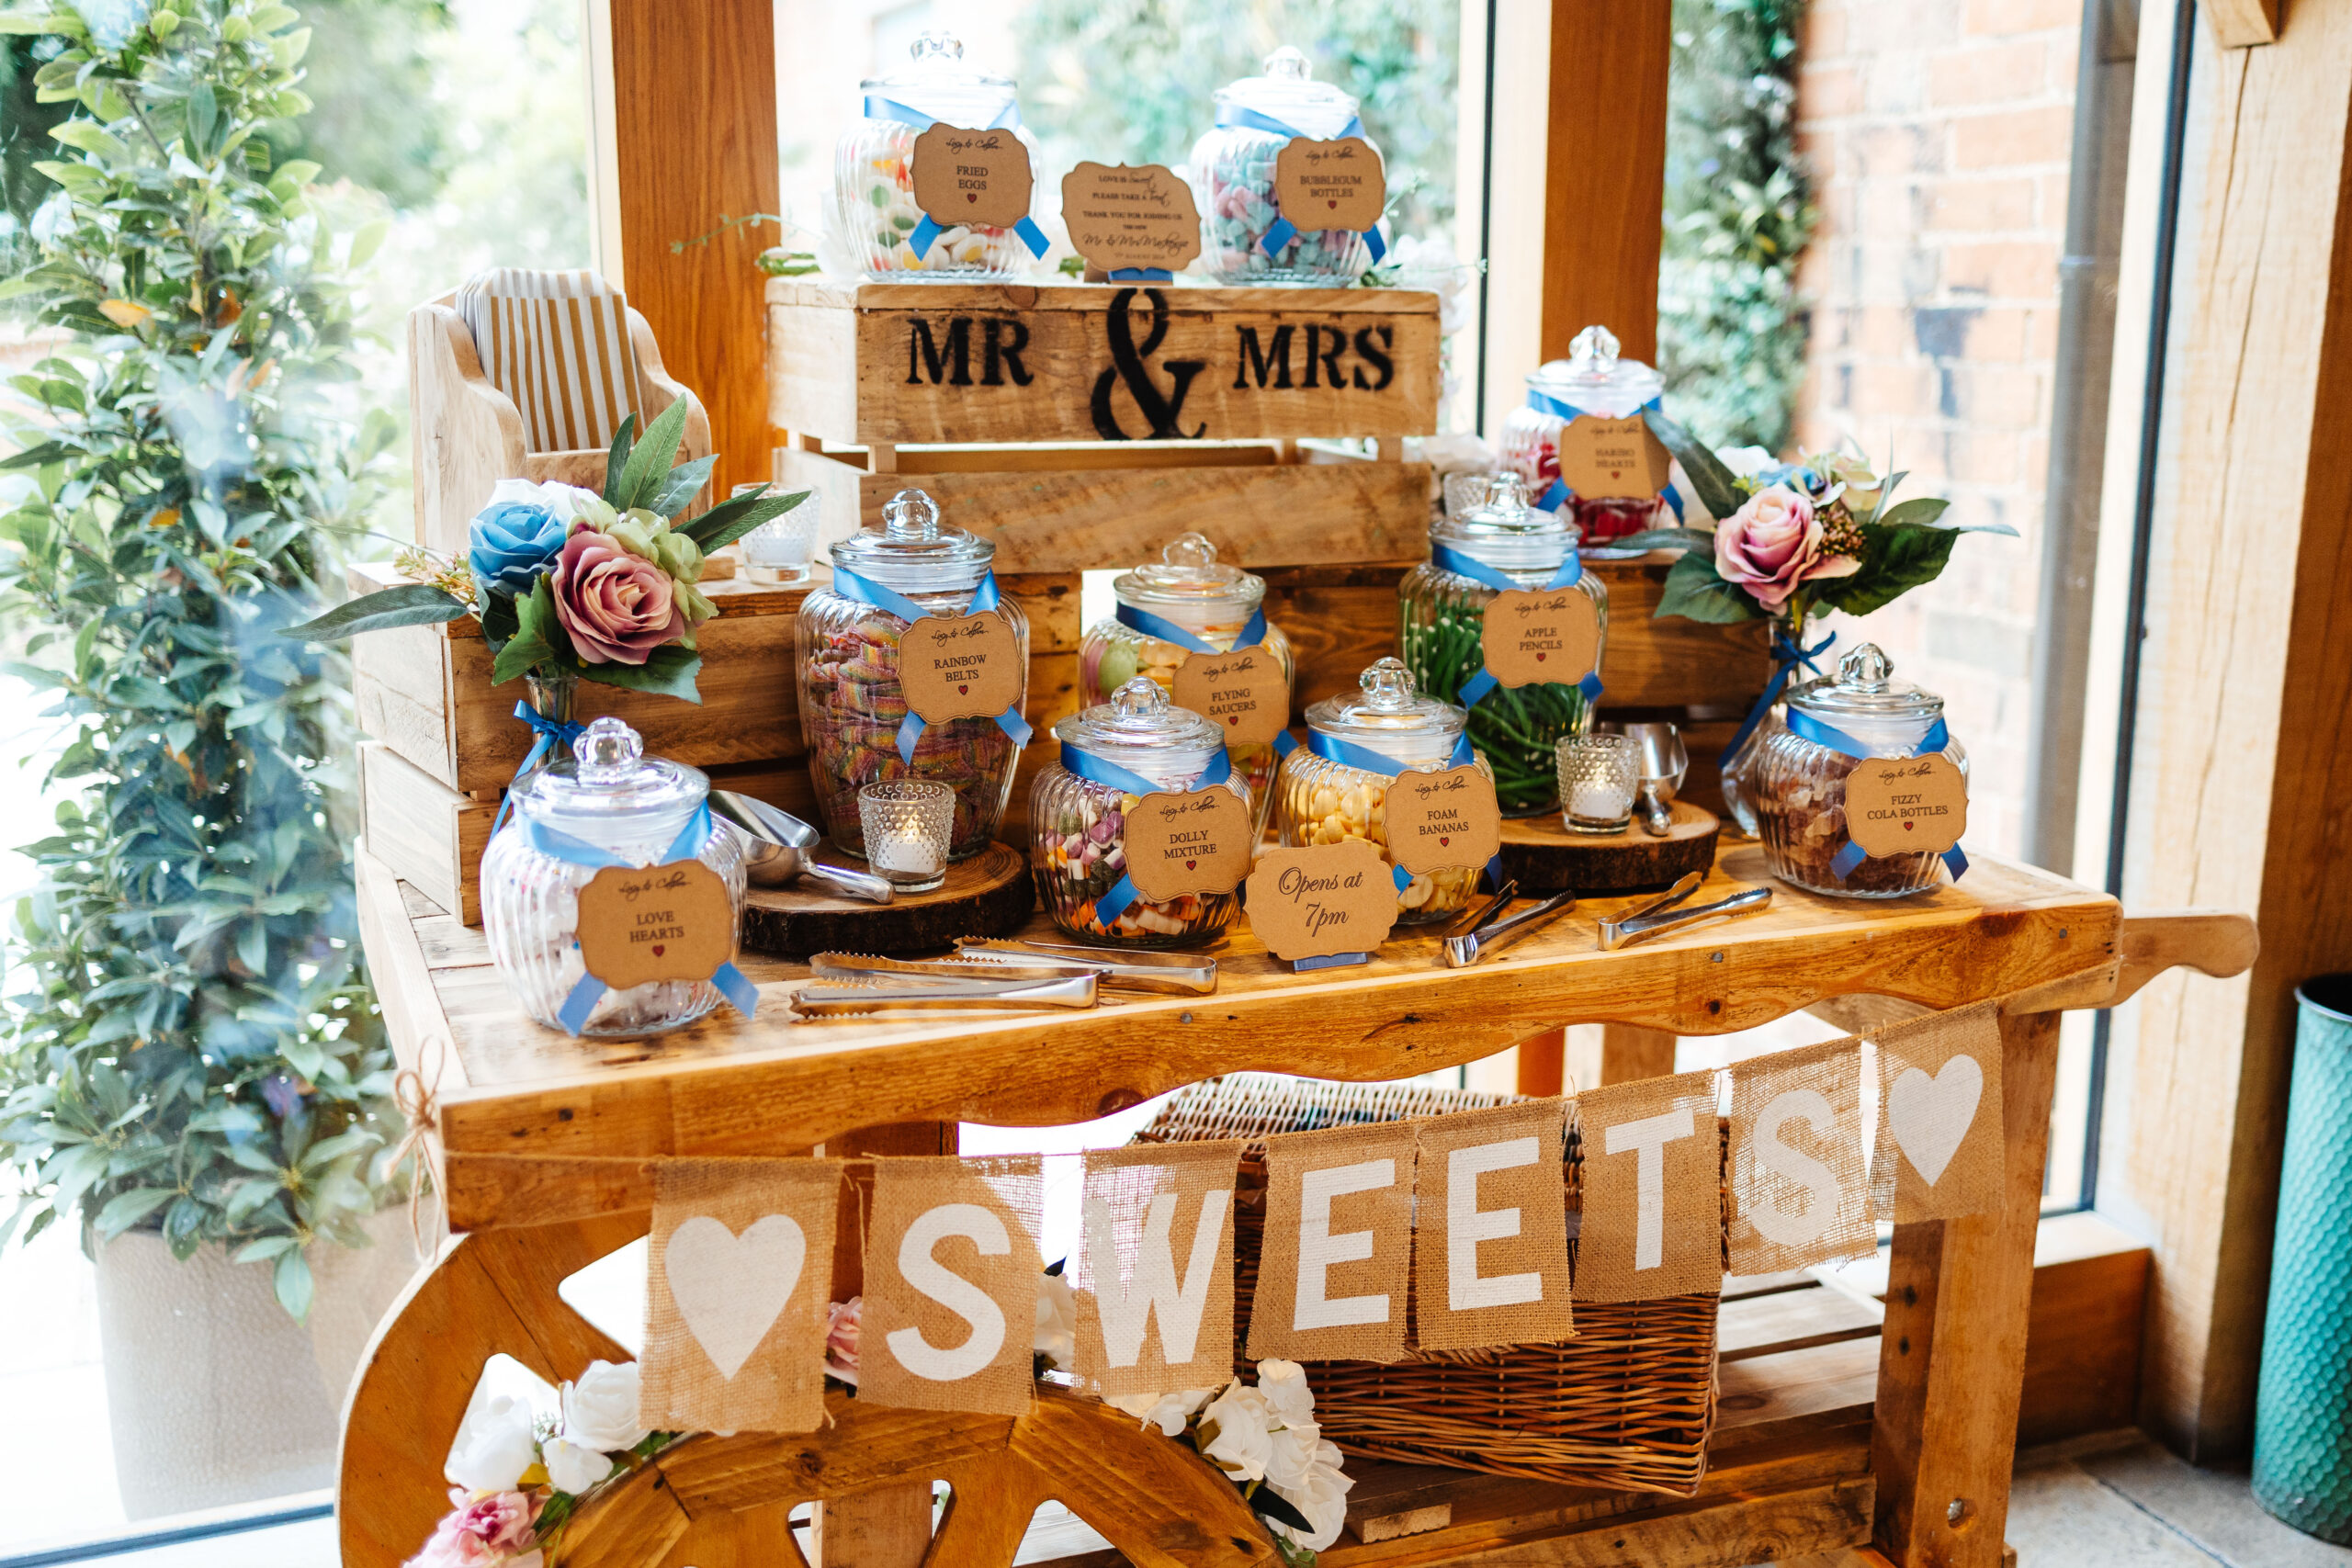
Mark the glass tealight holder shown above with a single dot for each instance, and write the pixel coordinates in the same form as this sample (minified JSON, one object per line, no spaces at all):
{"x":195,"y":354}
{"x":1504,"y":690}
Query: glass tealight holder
{"x":906,"y":823}
{"x":1598,"y":775}
{"x":776,"y":552}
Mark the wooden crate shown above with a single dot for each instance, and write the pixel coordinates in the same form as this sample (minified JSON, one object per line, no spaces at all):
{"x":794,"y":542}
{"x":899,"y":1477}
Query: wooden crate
{"x":429,"y":833}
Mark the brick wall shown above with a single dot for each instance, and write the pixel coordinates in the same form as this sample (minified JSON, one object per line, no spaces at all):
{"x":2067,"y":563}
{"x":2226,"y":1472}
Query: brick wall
{"x":1939,"y":133}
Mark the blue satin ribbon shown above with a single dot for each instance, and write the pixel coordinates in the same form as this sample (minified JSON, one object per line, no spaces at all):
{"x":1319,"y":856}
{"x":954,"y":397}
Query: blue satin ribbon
{"x":1786,"y":656}
{"x":879,"y":107}
{"x":1253,"y":632}
{"x":740,"y":992}
{"x":866,"y":590}
{"x":1095,"y":770}
{"x":1558,"y":491}
{"x":926,"y":234}
{"x":1807,"y":727}
{"x":551,"y":731}
{"x":1363,"y":758}
{"x":1140,"y":274}
{"x":1284,"y":232}
{"x":1446,"y":558}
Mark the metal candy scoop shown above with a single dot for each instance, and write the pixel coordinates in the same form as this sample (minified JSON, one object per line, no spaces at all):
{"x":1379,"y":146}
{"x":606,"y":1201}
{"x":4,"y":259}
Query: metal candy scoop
{"x":1659,"y":913}
{"x":776,"y":847}
{"x":1660,"y":762}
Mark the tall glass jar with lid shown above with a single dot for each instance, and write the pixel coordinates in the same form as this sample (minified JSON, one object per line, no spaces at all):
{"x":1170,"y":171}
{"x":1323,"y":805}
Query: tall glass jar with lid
{"x":874,"y":187}
{"x":607,"y":797}
{"x":1078,"y":817}
{"x":846,"y":652}
{"x":1335,"y":787}
{"x":1184,"y":605}
{"x":1591,"y":382}
{"x":1499,"y":545}
{"x":1797,"y":783}
{"x":1233,"y":178}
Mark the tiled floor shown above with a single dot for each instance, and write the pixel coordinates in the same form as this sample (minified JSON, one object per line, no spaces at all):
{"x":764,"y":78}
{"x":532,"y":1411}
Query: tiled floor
{"x":2121,"y":1501}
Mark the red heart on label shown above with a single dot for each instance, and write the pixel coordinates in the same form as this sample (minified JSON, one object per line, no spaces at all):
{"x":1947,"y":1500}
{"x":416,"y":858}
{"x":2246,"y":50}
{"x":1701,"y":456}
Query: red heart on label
{"x":1335,"y":207}
{"x":1541,"y":656}
{"x":657,"y":949}
{"x":1233,"y":721}
{"x":1909,"y":826}
{"x":1191,"y":863}
{"x":1445,"y":840}
{"x":963,"y":690}
{"x":972,"y":196}
{"x":1616,"y":473}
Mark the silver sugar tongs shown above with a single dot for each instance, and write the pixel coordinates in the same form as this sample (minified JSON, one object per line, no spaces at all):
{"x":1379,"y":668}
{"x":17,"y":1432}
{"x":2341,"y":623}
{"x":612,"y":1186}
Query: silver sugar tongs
{"x":825,"y":998}
{"x":1175,"y":973}
{"x":1471,"y":946}
{"x":1659,"y":914}
{"x":869,"y":967}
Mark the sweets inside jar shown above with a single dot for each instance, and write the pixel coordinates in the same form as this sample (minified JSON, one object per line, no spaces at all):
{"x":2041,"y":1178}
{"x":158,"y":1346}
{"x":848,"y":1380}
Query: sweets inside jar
{"x":1595,"y":383}
{"x":1342,"y":805}
{"x":1233,"y":177}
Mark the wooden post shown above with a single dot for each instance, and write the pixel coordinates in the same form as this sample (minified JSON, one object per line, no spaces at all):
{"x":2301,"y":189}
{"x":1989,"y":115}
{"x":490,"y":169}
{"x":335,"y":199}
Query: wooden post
{"x":694,"y":136}
{"x":1951,"y":1355}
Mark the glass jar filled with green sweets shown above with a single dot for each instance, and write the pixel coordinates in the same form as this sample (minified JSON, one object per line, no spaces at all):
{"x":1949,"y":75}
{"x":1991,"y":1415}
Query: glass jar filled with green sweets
{"x":1504,"y":620}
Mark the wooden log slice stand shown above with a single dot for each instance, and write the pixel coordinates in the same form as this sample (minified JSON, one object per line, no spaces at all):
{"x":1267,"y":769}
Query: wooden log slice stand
{"x":1542,"y":856}
{"x":989,"y":894}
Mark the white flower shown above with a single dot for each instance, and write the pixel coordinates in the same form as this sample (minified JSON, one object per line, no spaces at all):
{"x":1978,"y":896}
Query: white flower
{"x":1057,"y":1335}
{"x":565,"y":501}
{"x":600,"y":1410}
{"x":1290,"y":1453}
{"x":1747,"y":462}
{"x":1283,"y":1385}
{"x":1169,"y":1411}
{"x":572,"y":1467}
{"x":1240,"y":1443}
{"x":497,"y":1450}
{"x":1322,"y":1497}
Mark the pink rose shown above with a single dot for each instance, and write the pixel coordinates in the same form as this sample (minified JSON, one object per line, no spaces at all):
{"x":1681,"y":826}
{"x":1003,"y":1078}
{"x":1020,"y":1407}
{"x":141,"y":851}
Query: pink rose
{"x":617,"y":607}
{"x":491,"y":1527}
{"x":840,"y":1338}
{"x":1772,"y":545}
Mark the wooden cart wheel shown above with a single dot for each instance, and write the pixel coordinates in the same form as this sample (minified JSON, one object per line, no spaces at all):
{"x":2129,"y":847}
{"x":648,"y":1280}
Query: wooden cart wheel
{"x":716,"y":1502}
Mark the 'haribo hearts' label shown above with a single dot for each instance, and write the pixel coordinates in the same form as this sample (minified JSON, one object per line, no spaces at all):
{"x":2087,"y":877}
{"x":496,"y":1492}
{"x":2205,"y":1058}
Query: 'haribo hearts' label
{"x":1902,"y":806}
{"x":971,"y":176}
{"x":640,"y":924}
{"x":1600,"y":458}
{"x":1197,"y":843}
{"x":1442,"y":820}
{"x":1322,"y":899}
{"x":1329,"y":184}
{"x":961,"y":667}
{"x":1245,"y":693}
{"x":1550,"y":634}
{"x":1119,"y":217}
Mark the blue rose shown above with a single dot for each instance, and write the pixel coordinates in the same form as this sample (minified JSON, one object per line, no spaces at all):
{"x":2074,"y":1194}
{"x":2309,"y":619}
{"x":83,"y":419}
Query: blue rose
{"x":513,"y":542}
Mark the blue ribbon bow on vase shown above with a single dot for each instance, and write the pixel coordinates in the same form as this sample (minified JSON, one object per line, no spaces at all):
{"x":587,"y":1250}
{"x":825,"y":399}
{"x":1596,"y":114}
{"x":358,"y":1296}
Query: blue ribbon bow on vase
{"x":1094,"y":770}
{"x":866,"y":590}
{"x":1805,"y":727}
{"x":550,"y":732}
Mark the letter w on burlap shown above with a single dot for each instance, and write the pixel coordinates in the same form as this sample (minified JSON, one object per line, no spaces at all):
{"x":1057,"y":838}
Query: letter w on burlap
{"x":1153,"y":1278}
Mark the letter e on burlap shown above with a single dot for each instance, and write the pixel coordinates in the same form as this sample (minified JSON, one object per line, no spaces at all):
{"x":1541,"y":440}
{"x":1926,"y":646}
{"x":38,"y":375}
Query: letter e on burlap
{"x":951,"y":1283}
{"x":1490,"y":1244}
{"x":1800,"y":1189}
{"x":1337,"y":1254}
{"x":1940,"y":1153}
{"x":1653,"y":1191}
{"x":738,"y":1273}
{"x":1153,"y":1278}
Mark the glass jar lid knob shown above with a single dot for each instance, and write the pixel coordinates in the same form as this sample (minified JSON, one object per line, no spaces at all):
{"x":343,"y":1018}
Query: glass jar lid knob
{"x":1507,"y":492}
{"x":910,"y":517}
{"x":1140,"y":705}
{"x":1288,"y":64}
{"x":1388,"y":686}
{"x":1593,"y":352}
{"x":1867,"y":669}
{"x":608,"y":751}
{"x":936,"y":43}
{"x":1193,"y":552}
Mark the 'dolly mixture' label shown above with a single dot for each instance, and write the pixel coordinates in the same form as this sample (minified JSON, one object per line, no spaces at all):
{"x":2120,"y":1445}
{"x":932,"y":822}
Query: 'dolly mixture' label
{"x":1197,"y":843}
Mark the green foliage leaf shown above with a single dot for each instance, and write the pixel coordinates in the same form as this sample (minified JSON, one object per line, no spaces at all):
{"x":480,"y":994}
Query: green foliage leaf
{"x":1665,"y":540}
{"x":1895,"y":559}
{"x":409,"y":604}
{"x":1921,"y":511}
{"x":125,"y":1209}
{"x":203,"y":118}
{"x":650,"y":460}
{"x":738,"y":515}
{"x":680,"y":486}
{"x":1696,"y":592}
{"x":668,"y":670}
{"x":1717,"y":488}
{"x":532,"y":642}
{"x":616,"y":457}
{"x":291,"y":1276}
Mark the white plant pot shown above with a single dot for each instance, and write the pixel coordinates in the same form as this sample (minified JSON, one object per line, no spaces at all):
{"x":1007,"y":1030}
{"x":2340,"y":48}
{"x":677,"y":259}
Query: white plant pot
{"x":215,"y":1396}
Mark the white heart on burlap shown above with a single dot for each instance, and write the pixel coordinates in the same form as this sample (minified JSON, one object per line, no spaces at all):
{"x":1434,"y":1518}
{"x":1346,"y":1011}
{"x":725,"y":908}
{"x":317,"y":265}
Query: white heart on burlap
{"x":731,"y":1289}
{"x":1931,"y":1116}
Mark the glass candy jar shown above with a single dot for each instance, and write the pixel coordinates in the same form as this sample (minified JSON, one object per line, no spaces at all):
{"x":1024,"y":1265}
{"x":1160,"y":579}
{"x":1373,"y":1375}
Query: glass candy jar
{"x":874,"y":187}
{"x":1322,"y":800}
{"x":608,"y":797}
{"x":1078,"y":843}
{"x":1233,"y":177}
{"x":1186,"y":603}
{"x":1592,"y":380}
{"x":845,"y":645}
{"x":1798,"y":785}
{"x":1440,"y":614}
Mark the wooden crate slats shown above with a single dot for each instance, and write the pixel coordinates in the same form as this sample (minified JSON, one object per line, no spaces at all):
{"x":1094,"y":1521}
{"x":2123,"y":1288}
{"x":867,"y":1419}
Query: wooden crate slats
{"x":1020,"y":362}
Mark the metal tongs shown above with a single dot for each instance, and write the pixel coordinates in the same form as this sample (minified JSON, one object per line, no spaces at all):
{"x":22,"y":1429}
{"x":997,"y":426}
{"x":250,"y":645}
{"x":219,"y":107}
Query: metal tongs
{"x":1659,"y":913}
{"x":1493,"y":935}
{"x":1174,"y":974}
{"x":826,"y":998}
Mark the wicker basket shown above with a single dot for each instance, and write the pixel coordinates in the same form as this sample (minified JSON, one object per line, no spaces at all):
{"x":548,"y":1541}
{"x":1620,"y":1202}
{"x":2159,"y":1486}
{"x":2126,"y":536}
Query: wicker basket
{"x":1628,"y":1403}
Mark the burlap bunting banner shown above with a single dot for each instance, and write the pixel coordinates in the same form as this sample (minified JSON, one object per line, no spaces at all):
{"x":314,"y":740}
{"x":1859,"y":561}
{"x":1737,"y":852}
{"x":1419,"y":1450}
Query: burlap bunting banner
{"x":737,"y":1283}
{"x":1653,"y":1202}
{"x":951,"y":1283}
{"x":1490,"y":1244}
{"x":1154,"y":1275}
{"x":1940,"y":1135}
{"x":1338,"y":1252}
{"x":1801,"y":1191}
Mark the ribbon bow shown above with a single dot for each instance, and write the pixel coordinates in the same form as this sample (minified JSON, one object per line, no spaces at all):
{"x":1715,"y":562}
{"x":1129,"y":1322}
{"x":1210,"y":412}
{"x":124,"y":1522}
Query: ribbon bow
{"x":551,"y":731}
{"x":1805,"y":727}
{"x":1365,"y":760}
{"x":1446,"y":558}
{"x":866,"y":590}
{"x":415,"y":1098}
{"x":1109,"y":774}
{"x":1159,"y":626}
{"x":926,"y":234}
{"x":1284,"y":232}
{"x":1786,"y":656}
{"x":1558,"y":491}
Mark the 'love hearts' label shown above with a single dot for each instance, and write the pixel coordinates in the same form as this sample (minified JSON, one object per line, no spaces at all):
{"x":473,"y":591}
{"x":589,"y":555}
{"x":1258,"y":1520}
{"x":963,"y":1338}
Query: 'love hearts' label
{"x":640,"y":924}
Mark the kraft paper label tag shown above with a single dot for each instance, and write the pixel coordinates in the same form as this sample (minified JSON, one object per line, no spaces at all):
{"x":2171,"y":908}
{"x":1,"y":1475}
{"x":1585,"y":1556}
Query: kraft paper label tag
{"x":1119,"y":218}
{"x":1604,"y":457}
{"x":1900,"y":806}
{"x":660,"y":923}
{"x":960,"y":667}
{"x":1197,"y":843}
{"x":1322,"y":899}
{"x":972,"y":176}
{"x":1329,"y":184}
{"x":1549,"y":634}
{"x":1245,"y":692}
{"x":1441,"y":820}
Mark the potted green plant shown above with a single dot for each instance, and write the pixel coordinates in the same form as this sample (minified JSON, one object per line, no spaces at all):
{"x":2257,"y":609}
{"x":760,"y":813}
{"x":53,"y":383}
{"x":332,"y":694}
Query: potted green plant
{"x":192,"y":1069}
